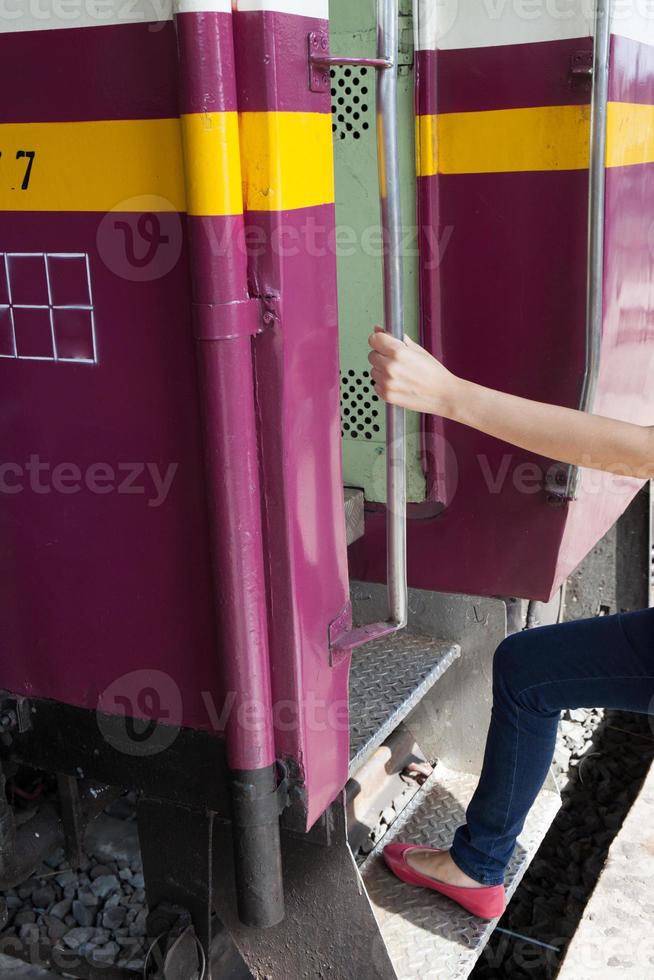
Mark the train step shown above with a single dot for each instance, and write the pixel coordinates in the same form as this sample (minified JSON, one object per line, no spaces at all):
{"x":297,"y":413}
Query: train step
{"x":426,"y":935}
{"x":388,"y":678}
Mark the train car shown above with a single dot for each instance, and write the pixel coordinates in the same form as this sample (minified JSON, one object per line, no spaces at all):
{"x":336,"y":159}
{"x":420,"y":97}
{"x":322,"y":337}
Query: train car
{"x":202,"y":211}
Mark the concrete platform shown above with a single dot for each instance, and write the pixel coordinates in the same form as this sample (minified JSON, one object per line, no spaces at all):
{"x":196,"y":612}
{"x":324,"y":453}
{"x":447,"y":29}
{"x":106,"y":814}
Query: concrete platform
{"x":615,"y":938}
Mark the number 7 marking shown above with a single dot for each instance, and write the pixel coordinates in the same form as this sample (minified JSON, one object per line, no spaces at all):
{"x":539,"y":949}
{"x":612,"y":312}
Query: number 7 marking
{"x":30,"y":154}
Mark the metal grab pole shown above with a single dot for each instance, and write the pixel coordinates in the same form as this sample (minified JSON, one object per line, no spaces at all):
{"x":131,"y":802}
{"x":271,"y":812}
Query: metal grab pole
{"x":385,"y":64}
{"x":596,"y":220}
{"x":391,"y":220}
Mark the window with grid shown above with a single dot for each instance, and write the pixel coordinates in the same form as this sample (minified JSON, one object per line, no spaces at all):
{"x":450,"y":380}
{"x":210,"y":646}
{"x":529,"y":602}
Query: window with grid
{"x":46,"y":307}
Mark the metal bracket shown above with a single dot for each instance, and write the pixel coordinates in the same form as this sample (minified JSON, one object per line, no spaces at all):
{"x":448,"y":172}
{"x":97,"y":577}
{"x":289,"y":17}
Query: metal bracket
{"x":270,"y":312}
{"x":319,"y":77}
{"x":320,"y":62}
{"x":15,"y":717}
{"x":581,"y":65}
{"x":556,"y":485}
{"x":340,"y":627}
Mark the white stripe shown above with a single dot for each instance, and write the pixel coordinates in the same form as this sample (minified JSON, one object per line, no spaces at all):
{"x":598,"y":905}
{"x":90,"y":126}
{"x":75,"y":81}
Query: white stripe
{"x":202,"y":6}
{"x":309,"y":8}
{"x":448,"y":24}
{"x":42,"y":15}
{"x":633,"y":19}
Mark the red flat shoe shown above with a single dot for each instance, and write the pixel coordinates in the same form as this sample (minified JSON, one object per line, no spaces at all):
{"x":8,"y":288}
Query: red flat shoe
{"x":486,"y":902}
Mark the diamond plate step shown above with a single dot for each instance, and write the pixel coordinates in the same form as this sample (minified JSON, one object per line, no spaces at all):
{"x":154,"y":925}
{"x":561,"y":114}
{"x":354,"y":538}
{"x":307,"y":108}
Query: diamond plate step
{"x":388,"y":678}
{"x":426,"y":935}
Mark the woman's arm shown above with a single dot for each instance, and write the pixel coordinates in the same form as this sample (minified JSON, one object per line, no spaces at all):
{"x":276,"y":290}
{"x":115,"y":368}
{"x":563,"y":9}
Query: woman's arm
{"x":405,"y":374}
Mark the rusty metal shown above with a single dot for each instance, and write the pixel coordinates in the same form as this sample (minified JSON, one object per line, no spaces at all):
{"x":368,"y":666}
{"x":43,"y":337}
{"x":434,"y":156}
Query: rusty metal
{"x":72,"y":817}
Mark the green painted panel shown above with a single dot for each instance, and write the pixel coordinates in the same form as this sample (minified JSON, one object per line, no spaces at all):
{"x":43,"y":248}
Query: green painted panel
{"x":358,"y":241}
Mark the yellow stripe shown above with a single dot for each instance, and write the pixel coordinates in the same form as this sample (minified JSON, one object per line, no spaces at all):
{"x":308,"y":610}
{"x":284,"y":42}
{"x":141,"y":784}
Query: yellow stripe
{"x":630,"y":134}
{"x":92,"y":166}
{"x":540,"y":138}
{"x":287,"y":160}
{"x":501,"y":140}
{"x":286,"y":157}
{"x":213,"y":163}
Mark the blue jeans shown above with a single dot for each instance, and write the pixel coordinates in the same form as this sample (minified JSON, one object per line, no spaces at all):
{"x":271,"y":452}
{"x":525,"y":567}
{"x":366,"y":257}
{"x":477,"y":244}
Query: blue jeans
{"x":606,"y":662}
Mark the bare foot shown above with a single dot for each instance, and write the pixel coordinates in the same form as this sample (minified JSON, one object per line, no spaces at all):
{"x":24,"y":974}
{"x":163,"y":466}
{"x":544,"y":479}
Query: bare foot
{"x":440,"y":865}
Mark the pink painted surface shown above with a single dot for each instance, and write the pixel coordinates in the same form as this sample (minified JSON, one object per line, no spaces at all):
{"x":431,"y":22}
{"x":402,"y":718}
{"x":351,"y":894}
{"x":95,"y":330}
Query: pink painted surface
{"x":206,"y":62}
{"x":99,"y":583}
{"x":272,"y":56}
{"x":465,"y":80}
{"x":124,"y":71}
{"x":298,"y":381}
{"x":626,"y":384}
{"x":298,"y":389}
{"x":99,"y":586}
{"x":506,"y":308}
{"x":225,"y":320}
{"x":632,"y":71}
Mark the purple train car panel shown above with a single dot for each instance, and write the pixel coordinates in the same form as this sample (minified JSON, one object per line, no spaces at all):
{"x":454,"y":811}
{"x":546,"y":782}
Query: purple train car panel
{"x":154,"y":172}
{"x":503,"y":104}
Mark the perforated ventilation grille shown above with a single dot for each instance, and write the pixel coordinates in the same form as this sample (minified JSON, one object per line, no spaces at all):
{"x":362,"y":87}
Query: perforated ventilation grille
{"x":351,"y":102}
{"x":360,"y":406}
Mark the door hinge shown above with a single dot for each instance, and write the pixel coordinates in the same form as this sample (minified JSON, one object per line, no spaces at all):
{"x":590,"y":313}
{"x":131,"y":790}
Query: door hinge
{"x":581,"y":65}
{"x":406,"y":52}
{"x":270,"y":310}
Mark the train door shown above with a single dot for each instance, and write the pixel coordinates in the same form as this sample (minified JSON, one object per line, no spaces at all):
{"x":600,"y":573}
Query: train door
{"x":529,"y":133}
{"x":358,"y":240}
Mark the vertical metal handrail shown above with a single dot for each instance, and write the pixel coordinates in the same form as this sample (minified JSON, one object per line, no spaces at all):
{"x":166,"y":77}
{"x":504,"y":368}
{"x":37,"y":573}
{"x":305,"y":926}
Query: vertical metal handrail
{"x":391,"y":221}
{"x":596,"y":204}
{"x":386,"y":65}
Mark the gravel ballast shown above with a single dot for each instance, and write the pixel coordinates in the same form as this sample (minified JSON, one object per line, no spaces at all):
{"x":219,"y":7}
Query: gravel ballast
{"x":97,"y":911}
